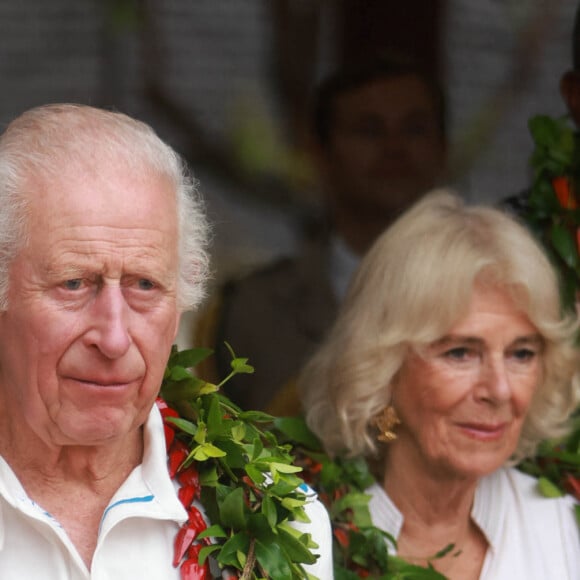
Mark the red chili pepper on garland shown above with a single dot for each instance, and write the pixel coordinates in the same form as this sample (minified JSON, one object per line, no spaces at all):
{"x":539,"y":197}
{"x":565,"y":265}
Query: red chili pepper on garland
{"x":169,"y":429}
{"x":563,"y":189}
{"x":177,"y":455}
{"x":191,"y":569}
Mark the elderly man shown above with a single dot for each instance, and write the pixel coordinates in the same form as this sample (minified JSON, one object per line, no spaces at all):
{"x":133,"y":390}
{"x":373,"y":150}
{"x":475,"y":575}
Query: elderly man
{"x":101,"y":249}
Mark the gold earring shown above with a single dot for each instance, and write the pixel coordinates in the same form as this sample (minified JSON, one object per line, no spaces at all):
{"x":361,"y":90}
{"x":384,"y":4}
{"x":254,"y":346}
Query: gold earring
{"x":386,"y":422}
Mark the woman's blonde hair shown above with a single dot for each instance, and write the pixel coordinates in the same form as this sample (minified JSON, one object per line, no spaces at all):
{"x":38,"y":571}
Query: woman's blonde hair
{"x":414,"y":284}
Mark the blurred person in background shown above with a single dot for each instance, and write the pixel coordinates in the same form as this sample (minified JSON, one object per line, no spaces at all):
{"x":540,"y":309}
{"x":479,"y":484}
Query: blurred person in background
{"x":380,"y":144}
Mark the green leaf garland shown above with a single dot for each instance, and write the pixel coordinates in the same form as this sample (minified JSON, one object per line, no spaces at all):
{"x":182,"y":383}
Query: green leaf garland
{"x":248,"y":485}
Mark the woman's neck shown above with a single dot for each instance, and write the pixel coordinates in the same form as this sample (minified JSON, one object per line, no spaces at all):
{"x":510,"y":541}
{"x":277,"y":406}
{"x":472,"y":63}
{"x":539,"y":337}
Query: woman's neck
{"x":436,"y":508}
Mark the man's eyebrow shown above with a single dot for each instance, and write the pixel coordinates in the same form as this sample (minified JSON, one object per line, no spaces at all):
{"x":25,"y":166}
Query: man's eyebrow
{"x":66,"y":270}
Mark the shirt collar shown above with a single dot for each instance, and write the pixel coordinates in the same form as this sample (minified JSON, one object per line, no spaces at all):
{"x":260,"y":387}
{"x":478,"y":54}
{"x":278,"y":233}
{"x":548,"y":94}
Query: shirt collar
{"x":153,"y":469}
{"x":386,"y":516}
{"x":150,"y":478}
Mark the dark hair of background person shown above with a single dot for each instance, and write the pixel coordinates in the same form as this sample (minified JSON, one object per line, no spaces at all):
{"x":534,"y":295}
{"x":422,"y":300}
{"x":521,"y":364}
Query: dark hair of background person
{"x":357,"y":75}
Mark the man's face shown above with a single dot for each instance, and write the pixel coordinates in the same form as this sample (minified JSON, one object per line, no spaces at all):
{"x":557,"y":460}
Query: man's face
{"x":91,"y":307}
{"x":386,"y":148}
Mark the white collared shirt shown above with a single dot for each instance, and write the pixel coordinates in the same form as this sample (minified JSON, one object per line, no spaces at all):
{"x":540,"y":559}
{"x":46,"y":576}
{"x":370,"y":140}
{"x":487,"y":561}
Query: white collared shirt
{"x":529,"y":536}
{"x":136,"y":534}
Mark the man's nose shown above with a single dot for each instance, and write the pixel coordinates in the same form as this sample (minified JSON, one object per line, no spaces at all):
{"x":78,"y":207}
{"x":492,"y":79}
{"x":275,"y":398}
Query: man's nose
{"x":110,"y":325}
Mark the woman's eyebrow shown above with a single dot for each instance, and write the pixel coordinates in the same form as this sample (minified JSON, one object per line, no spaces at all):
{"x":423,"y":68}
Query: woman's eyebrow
{"x":458,"y":338}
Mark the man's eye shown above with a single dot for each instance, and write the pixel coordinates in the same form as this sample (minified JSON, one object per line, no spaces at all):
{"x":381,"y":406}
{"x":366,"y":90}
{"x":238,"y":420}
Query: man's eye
{"x":145,"y":284}
{"x":74,"y":284}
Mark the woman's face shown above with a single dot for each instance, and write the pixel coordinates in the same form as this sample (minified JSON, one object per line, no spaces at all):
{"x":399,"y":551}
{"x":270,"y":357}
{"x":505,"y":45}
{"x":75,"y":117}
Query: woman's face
{"x":463,"y":401}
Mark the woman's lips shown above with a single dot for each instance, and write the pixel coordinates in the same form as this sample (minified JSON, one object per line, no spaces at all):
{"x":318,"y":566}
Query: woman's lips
{"x":483,"y":431}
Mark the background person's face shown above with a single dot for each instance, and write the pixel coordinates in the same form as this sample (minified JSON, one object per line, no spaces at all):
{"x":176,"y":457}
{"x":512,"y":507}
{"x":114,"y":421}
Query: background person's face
{"x":386,"y":148}
{"x":462,"y":403}
{"x":92,"y":306}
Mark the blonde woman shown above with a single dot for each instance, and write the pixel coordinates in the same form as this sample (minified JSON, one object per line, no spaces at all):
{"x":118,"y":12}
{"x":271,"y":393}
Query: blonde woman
{"x":450,"y":361}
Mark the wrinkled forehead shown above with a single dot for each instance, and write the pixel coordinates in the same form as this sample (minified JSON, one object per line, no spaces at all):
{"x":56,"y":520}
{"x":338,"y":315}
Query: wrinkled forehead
{"x":101,"y":194}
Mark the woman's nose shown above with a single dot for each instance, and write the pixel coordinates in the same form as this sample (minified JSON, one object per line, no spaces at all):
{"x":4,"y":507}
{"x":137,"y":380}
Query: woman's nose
{"x":495,"y":383}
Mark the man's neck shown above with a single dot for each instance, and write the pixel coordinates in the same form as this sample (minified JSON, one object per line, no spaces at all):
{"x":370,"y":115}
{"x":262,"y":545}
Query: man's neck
{"x":72,"y":483}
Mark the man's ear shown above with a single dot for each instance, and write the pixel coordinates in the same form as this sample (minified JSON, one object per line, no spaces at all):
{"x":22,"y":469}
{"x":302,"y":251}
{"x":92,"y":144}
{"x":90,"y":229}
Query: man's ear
{"x":570,"y":91}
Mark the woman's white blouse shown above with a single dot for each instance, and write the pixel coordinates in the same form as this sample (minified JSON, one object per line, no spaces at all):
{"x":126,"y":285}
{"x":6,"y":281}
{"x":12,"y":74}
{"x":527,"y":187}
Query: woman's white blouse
{"x":529,"y":536}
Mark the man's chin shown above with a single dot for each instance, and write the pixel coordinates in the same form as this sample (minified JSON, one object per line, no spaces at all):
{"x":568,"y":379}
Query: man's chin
{"x":102,"y":427}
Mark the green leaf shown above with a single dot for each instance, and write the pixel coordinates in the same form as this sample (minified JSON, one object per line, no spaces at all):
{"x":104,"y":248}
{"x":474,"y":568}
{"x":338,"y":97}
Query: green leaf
{"x":358,"y":503}
{"x":179,"y":374}
{"x":207,"y":551}
{"x":256,"y":449}
{"x":240,"y":366}
{"x":273,"y":560}
{"x":186,"y":390}
{"x":215,"y":531}
{"x":207,"y":388}
{"x":238,"y":432}
{"x":296,"y":546}
{"x":284,"y":468}
{"x":205,"y":451}
{"x":269,"y":510}
{"x":565,"y":245}
{"x":232,"y":513}
{"x":186,"y":426}
{"x":296,"y":430}
{"x":442,"y":553}
{"x":256,"y":416}
{"x":201,"y":433}
{"x":214,"y":419}
{"x":208,"y":477}
{"x":292,"y":503}
{"x":228,"y":555}
{"x":190,"y":358}
{"x":234,"y":456}
{"x":255,"y":474}
{"x":548,"y":489}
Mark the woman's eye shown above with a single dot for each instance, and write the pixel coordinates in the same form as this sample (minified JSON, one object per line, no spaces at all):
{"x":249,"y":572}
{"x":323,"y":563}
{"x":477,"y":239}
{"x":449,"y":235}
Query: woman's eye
{"x":74,"y":284}
{"x":145,"y":284}
{"x":458,"y":353}
{"x":524,"y":354}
